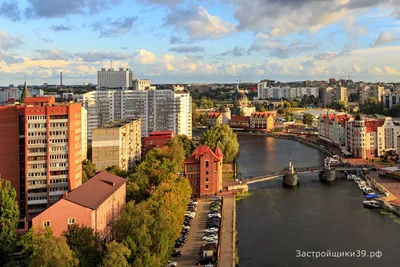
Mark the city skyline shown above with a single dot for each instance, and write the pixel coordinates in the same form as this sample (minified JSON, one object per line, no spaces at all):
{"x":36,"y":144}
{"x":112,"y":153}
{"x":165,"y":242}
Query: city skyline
{"x":176,"y":41}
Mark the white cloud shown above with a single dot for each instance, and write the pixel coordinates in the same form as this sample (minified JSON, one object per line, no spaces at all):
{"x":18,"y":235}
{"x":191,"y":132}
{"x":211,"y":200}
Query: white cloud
{"x":356,"y":69}
{"x":8,"y":42}
{"x":391,"y":71}
{"x":384,"y":37}
{"x":144,"y":57}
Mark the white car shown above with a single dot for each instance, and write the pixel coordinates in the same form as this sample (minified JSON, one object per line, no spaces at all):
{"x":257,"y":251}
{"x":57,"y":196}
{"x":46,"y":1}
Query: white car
{"x":214,"y":215}
{"x":186,"y":227}
{"x":216,"y":198}
{"x":211,"y":230}
{"x":210,"y":238}
{"x":172,"y":264}
{"x":194,"y":202}
{"x":189,"y":215}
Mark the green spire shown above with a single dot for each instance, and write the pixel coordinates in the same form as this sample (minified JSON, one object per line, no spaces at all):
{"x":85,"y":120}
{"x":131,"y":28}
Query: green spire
{"x":25,"y":93}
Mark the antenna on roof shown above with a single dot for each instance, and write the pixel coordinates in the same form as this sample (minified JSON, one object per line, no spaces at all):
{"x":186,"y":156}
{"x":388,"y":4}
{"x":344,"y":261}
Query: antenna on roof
{"x":111,"y":63}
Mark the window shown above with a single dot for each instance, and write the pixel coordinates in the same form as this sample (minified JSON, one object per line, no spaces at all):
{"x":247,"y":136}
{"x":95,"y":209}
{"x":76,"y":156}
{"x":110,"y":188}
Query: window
{"x":206,"y":172}
{"x":206,"y":186}
{"x":46,"y":224}
{"x":71,"y":220}
{"x":206,"y":163}
{"x":206,"y":179}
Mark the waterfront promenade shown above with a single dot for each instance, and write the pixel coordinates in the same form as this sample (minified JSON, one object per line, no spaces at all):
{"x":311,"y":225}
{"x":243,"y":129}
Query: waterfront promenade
{"x":227,"y":236}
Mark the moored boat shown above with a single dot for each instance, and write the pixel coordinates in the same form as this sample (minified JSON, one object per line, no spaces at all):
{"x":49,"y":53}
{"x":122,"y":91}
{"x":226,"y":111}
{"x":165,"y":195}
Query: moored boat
{"x":368,"y":190}
{"x":361,"y":186}
{"x":372,"y":204}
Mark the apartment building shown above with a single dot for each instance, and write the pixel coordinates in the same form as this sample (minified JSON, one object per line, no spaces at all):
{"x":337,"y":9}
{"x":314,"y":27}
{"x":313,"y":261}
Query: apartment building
{"x":141,"y":84}
{"x":375,"y":91}
{"x":115,"y":79}
{"x":159,"y":110}
{"x":331,"y":128}
{"x":269,"y":92}
{"x":390,"y":99}
{"x":41,"y":150}
{"x":95,"y":204}
{"x":388,"y":137}
{"x":117,"y":143}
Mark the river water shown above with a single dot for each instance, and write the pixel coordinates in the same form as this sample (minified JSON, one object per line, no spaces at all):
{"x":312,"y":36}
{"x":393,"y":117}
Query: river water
{"x":274,"y":223}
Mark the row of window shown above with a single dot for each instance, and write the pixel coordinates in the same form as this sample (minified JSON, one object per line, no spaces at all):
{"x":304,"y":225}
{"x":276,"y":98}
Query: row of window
{"x":58,"y":124}
{"x":36,"y":166}
{"x":59,"y":189}
{"x":37,"y":133}
{"x":58,"y":132}
{"x":36,"y":125}
{"x":36,"y":174}
{"x":58,"y":165}
{"x":37,"y":142}
{"x":58,"y":141}
{"x":37,"y":150}
{"x":58,"y":148}
{"x":38,"y":182}
{"x":59,"y":156}
{"x":37,"y":158}
{"x":36,"y":117}
{"x":37,"y":198}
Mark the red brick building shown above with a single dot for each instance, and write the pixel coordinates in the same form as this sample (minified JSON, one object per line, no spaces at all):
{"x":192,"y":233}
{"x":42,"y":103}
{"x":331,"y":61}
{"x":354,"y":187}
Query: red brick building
{"x":204,"y":171}
{"x":242,"y":122}
{"x":41,"y":153}
{"x":94,"y":204}
{"x":157,"y":139}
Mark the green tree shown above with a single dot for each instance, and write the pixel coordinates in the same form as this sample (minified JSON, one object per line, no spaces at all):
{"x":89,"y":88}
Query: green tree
{"x":225,"y":137}
{"x":294,"y":104}
{"x":116,"y":170}
{"x":187,"y":144}
{"x":286,"y":104}
{"x":338,"y":105}
{"x":45,"y":250}
{"x":116,"y":255}
{"x":206,"y":103}
{"x":195,"y":115}
{"x":9,"y":215}
{"x":308,"y":119}
{"x":372,"y":100}
{"x":88,"y":170}
{"x":86,"y":244}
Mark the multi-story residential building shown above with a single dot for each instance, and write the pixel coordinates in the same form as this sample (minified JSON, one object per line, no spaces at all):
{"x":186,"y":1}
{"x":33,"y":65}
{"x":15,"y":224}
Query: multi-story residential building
{"x":95,"y":204}
{"x":375,"y":91}
{"x":141,"y":84}
{"x":388,"y":137}
{"x":331,"y":128}
{"x":262,"y":120}
{"x":204,"y":171}
{"x":214,"y":118}
{"x":341,"y":94}
{"x":114,"y":79}
{"x":160,"y":110}
{"x":157,"y":139}
{"x":41,"y":150}
{"x":388,"y":100}
{"x":361,"y":136}
{"x":117,"y":144}
{"x":267,"y":92}
{"x":10,"y":95}
{"x":84,"y":133}
{"x":326,"y":94}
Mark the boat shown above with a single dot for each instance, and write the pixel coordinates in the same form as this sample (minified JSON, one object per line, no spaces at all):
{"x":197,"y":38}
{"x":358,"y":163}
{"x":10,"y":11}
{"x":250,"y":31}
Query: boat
{"x":357,"y":179}
{"x":371,"y":196}
{"x":372,"y":204}
{"x":361,"y":186}
{"x":368,"y":190}
{"x":332,"y":161}
{"x":350,"y":177}
{"x":362,"y":183}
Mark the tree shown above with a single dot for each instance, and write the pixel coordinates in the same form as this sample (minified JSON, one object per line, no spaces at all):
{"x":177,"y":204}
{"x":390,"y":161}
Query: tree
{"x":86,"y":244}
{"x":195,"y":115}
{"x":116,"y":170}
{"x":187,"y":144}
{"x":88,"y":170}
{"x":338,"y":105}
{"x":308,"y":119}
{"x":116,"y":255}
{"x":9,"y":215}
{"x":45,"y":250}
{"x":206,"y":104}
{"x":225,"y":137}
{"x":286,"y":104}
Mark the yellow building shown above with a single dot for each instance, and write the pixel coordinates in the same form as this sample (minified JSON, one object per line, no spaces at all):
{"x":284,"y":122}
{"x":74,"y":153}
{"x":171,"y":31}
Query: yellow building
{"x":262,"y":120}
{"x":117,"y":143}
{"x":214,"y":118}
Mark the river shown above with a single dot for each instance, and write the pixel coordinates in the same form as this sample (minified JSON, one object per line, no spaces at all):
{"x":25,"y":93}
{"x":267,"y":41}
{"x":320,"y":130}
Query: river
{"x":275,"y":222}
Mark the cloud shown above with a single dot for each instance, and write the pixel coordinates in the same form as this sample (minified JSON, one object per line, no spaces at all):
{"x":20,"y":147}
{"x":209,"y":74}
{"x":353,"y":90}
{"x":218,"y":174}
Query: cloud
{"x":356,"y":69}
{"x":198,"y":23}
{"x":384,"y":37}
{"x":187,"y":49}
{"x":168,"y":3}
{"x":9,"y":58}
{"x":8,"y":42}
{"x":114,"y":28}
{"x":396,"y":13}
{"x":60,"y":28}
{"x":237,"y":52}
{"x":42,"y":38}
{"x":176,"y":40}
{"x":144,"y":57}
{"x":51,"y":54}
{"x":60,"y":8}
{"x":374,"y":70}
{"x":391,"y":71}
{"x":10,"y":10}
{"x":276,"y":48}
{"x":353,"y":30}
{"x":96,"y":56}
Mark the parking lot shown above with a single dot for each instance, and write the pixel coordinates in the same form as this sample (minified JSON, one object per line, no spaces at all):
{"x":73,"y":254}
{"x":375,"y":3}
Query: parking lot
{"x":194,"y":240}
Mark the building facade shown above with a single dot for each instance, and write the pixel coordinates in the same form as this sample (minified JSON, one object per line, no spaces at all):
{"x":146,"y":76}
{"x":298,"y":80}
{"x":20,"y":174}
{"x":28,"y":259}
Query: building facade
{"x":391,"y":99}
{"x":95,"y":204}
{"x":157,"y":139}
{"x":41,"y":151}
{"x":214,"y":118}
{"x":159,"y":110}
{"x":141,"y":84}
{"x":117,"y":143}
{"x":388,"y":138}
{"x":331,"y":128}
{"x":263,"y":121}
{"x":204,"y":171}
{"x":240,"y":122}
{"x":114,"y":79}
{"x":269,"y":92}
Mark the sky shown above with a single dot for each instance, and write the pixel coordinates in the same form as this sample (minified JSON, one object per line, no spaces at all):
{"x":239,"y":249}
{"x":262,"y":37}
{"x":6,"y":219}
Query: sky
{"x":182,"y":41}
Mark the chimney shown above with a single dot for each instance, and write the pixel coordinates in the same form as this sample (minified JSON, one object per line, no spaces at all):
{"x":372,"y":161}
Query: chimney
{"x":61,"y":79}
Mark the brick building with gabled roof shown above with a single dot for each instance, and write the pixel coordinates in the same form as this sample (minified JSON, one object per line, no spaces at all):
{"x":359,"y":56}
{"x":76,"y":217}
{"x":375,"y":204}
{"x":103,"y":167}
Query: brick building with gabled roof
{"x":204,"y":170}
{"x":94,"y":204}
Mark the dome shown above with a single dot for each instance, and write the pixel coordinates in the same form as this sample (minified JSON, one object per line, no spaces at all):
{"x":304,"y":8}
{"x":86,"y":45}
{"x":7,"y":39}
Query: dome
{"x":242,"y":99}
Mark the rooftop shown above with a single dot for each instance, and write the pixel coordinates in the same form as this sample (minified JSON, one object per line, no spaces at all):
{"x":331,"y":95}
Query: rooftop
{"x":161,"y":133}
{"x":96,"y":190}
{"x":116,"y":124}
{"x":200,"y":151}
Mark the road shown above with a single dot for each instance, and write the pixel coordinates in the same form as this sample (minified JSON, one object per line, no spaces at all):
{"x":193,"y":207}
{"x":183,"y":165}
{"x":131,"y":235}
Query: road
{"x":191,"y":249}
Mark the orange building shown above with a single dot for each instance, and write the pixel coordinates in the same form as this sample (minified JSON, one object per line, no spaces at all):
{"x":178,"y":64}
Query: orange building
{"x":204,"y":171}
{"x":41,"y":152}
{"x":94,"y":204}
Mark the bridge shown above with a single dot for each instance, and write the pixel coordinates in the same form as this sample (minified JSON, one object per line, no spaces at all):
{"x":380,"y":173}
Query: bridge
{"x":272,"y":176}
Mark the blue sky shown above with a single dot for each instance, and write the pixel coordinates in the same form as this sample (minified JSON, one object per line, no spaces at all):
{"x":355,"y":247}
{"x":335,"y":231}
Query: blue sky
{"x":173,"y":41}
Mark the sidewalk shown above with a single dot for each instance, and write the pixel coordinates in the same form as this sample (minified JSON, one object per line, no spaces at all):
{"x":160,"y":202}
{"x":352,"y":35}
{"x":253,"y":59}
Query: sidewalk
{"x":228,"y":242}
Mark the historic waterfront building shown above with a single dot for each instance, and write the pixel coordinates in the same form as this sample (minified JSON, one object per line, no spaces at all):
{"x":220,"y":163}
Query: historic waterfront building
{"x":214,"y":118}
{"x":388,"y":137}
{"x":331,"y":128}
{"x":204,"y":171}
{"x":262,"y":121}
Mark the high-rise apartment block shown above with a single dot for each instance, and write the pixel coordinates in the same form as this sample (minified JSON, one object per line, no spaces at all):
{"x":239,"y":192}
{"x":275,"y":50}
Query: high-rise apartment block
{"x":159,"y":110}
{"x":115,"y":79}
{"x":117,"y":144}
{"x":141,"y":84}
{"x":268,"y":92}
{"x":41,"y":150}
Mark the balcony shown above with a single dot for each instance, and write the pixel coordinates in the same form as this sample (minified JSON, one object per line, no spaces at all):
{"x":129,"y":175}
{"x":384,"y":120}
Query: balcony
{"x":35,"y":202}
{"x":32,"y":154}
{"x":57,"y":193}
{"x":59,"y":121}
{"x":65,"y":168}
{"x":37,"y":186}
{"x":63,"y":176}
{"x":37,"y":145}
{"x":37,"y":170}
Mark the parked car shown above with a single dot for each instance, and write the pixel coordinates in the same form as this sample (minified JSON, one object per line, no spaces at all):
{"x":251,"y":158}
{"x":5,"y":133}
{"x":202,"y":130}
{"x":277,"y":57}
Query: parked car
{"x":189,"y":216}
{"x":178,"y":245}
{"x":216,"y":208}
{"x":209,"y":238}
{"x":186,"y":227}
{"x":214,"y":215}
{"x":194,"y":202}
{"x":211,"y":230}
{"x":177,"y":253}
{"x":216,"y":198}
{"x":206,"y":260}
{"x":172,"y":264}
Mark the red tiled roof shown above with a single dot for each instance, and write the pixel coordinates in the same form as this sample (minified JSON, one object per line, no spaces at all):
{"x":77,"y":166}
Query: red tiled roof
{"x":200,"y":151}
{"x":214,"y":114}
{"x":96,"y":190}
{"x":240,"y":118}
{"x":372,"y":125}
{"x":218,"y":152}
{"x":161,"y":133}
{"x":262,"y":114}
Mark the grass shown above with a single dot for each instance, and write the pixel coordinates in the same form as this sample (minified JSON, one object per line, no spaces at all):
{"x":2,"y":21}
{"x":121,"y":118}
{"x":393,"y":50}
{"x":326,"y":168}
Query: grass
{"x":240,"y":196}
{"x":236,"y":249}
{"x":227,"y":172}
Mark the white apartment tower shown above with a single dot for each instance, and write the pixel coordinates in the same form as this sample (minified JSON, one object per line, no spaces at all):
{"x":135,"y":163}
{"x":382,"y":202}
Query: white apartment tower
{"x":115,"y":79}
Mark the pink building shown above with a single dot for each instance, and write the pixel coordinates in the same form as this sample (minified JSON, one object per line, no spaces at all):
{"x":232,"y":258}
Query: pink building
{"x":94,"y":204}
